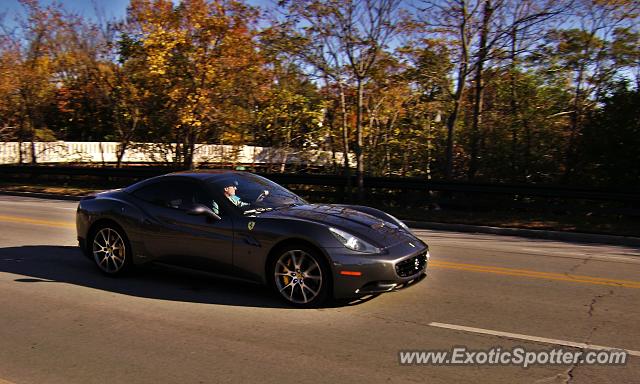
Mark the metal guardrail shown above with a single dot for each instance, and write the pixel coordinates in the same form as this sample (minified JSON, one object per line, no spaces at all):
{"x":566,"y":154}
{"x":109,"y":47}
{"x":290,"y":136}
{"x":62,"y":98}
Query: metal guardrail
{"x":131,"y":174}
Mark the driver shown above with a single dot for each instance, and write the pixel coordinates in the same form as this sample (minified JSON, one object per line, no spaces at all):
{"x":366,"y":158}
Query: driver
{"x":230,"y":193}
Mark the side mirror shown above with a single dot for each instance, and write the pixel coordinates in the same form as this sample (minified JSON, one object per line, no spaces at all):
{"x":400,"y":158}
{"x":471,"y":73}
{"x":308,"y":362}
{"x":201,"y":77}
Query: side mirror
{"x":203,"y":210}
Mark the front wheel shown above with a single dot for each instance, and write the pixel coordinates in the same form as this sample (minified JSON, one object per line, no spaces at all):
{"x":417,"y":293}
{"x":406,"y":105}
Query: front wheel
{"x":110,"y":250}
{"x":301,"y":276}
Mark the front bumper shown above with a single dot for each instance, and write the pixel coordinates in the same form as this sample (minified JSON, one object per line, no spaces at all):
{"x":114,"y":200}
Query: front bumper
{"x":357,"y":275}
{"x":376,"y":287}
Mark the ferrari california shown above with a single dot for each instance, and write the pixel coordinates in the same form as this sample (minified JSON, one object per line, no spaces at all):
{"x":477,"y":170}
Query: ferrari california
{"x":245,"y":226}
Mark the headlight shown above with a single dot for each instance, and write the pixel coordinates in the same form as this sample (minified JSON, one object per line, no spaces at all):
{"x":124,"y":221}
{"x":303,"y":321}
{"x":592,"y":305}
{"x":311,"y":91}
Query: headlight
{"x":352,"y":242}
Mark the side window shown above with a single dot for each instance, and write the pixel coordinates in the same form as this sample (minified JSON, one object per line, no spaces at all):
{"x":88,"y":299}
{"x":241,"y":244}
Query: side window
{"x":176,"y":194}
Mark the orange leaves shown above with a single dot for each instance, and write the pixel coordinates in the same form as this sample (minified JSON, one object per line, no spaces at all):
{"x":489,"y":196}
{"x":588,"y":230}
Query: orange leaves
{"x":193,"y":59}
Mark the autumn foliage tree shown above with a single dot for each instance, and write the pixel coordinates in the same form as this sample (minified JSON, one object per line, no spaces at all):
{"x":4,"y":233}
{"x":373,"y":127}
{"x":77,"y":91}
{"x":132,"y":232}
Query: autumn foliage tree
{"x":195,"y":63}
{"x":500,"y":90}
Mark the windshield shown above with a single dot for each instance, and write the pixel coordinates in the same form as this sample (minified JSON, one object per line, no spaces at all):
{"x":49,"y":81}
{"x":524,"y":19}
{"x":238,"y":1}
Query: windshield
{"x":253,"y":194}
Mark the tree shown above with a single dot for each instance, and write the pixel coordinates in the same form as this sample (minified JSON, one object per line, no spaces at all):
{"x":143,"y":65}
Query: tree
{"x":429,"y":76}
{"x":197,"y":60}
{"x":290,"y":113}
{"x":479,"y":32}
{"x":36,"y":66}
{"x":353,"y":35}
{"x":610,"y":146}
{"x":10,"y":103}
{"x":454,"y":21}
{"x":587,"y":55}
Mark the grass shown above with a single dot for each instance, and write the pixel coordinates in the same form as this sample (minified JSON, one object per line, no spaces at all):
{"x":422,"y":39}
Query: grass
{"x":585,"y":222}
{"x":43,"y":188}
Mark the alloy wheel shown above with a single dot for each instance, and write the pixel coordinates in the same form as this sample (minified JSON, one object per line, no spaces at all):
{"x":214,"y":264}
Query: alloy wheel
{"x":298,"y":276}
{"x":109,"y":250}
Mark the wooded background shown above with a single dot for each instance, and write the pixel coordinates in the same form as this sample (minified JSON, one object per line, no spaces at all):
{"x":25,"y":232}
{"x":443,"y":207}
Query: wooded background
{"x":494,"y":90}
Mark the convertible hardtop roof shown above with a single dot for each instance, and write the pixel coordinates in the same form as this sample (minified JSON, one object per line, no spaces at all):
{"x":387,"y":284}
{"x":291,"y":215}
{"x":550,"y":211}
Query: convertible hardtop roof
{"x":205,"y":174}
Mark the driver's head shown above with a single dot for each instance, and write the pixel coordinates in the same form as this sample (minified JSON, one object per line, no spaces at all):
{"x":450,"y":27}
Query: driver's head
{"x":230,"y":187}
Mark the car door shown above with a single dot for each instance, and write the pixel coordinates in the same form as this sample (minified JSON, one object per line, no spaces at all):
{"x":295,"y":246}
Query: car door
{"x":176,"y":237}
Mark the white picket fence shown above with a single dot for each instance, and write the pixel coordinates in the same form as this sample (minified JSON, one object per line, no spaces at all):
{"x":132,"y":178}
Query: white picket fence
{"x":99,"y":152}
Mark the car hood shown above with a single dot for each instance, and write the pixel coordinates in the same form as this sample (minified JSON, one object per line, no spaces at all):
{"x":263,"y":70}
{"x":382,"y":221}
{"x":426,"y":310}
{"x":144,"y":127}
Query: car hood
{"x":379,"y":232}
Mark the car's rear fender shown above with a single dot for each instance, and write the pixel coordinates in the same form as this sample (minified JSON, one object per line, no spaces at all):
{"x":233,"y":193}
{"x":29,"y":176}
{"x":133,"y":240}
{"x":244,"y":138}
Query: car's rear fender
{"x":114,"y":208}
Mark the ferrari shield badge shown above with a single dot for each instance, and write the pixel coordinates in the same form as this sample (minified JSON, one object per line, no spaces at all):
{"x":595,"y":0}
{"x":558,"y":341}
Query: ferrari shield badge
{"x":251,"y":224}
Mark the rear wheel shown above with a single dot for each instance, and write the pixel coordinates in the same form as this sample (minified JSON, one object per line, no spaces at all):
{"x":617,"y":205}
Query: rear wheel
{"x":301,"y":276}
{"x":110,"y":251}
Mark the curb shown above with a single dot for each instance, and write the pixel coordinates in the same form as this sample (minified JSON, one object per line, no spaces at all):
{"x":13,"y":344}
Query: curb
{"x":41,"y":195}
{"x":528,"y":233}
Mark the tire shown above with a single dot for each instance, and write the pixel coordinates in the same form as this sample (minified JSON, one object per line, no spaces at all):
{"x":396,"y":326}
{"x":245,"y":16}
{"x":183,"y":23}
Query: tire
{"x":109,"y":248}
{"x":300,"y":276}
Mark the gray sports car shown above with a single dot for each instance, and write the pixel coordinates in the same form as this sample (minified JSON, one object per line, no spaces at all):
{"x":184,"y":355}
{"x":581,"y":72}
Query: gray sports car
{"x":243,"y":225}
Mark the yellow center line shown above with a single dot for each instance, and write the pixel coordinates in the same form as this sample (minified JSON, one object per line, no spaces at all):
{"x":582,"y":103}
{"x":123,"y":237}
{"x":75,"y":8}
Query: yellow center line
{"x":535,"y":274}
{"x":27,"y":220}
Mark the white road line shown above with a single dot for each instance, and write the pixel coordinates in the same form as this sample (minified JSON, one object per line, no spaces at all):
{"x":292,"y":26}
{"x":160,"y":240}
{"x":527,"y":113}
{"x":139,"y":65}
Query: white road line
{"x":532,"y":338}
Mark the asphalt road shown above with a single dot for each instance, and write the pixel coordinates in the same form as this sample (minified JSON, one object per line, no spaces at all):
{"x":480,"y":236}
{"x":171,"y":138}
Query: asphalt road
{"x":61,"y":321}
